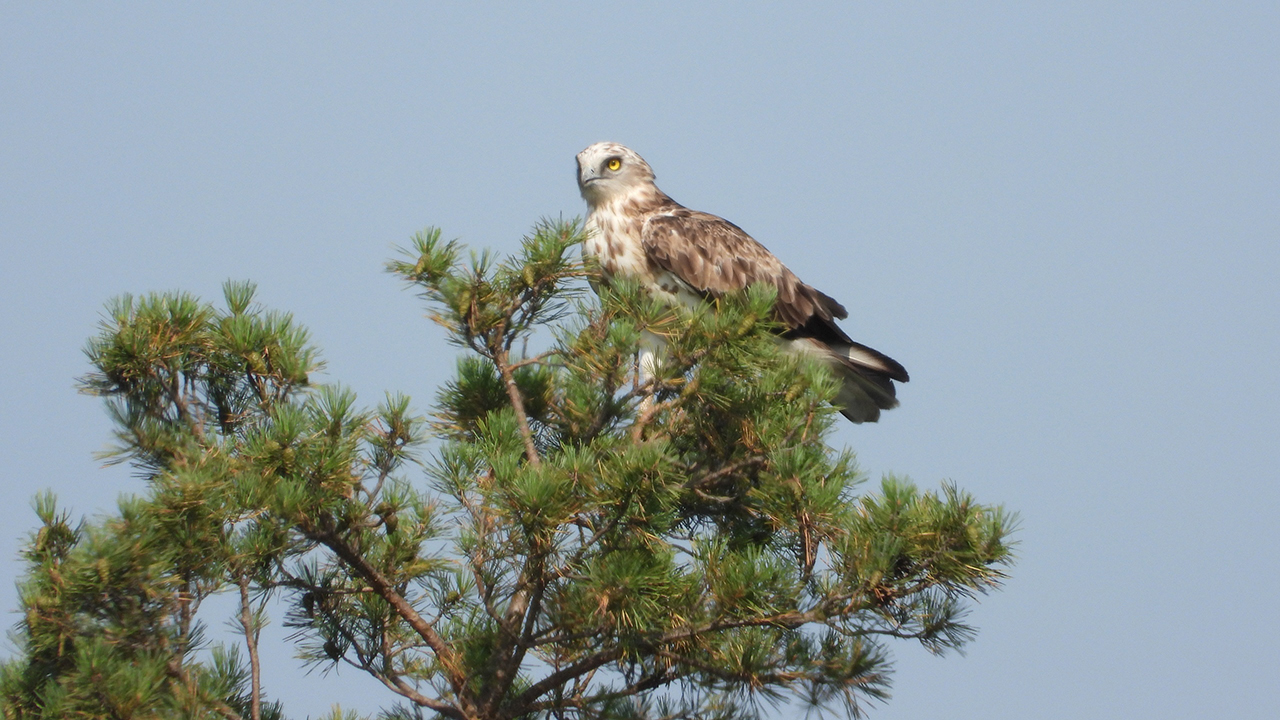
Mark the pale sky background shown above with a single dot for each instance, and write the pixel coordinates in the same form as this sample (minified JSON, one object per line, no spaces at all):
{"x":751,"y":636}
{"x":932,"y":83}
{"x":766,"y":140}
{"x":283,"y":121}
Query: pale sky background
{"x":1063,"y":221}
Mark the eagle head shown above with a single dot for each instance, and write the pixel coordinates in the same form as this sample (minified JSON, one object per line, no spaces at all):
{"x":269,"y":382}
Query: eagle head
{"x":609,"y":172}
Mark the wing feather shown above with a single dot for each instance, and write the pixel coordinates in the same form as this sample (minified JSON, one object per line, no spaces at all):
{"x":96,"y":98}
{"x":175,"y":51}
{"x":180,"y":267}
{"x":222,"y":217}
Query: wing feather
{"x":714,"y":256}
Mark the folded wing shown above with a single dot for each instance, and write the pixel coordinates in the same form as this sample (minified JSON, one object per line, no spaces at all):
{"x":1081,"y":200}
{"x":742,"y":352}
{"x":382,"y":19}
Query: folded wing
{"x":712,"y":256}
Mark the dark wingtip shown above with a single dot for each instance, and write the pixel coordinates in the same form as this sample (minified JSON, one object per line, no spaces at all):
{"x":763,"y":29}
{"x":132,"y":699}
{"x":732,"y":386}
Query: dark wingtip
{"x":831,"y":305}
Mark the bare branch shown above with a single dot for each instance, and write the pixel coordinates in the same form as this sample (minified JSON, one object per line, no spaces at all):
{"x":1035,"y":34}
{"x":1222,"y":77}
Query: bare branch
{"x":753,"y":461}
{"x":251,"y":642}
{"x":517,"y":404}
{"x":445,"y":655}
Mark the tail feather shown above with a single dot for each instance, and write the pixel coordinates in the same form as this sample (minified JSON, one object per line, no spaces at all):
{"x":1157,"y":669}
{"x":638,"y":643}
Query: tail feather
{"x":866,"y":377}
{"x":863,"y":356}
{"x":863,"y":395}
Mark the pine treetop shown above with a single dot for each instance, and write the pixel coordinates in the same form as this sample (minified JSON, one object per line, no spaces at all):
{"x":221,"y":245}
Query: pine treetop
{"x":586,"y":544}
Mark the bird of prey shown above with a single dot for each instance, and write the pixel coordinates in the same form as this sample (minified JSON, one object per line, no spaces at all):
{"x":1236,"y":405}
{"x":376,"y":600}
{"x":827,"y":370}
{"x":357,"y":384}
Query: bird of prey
{"x":635,"y":230}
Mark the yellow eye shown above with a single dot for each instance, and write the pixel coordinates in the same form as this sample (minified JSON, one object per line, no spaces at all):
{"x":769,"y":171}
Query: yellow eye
{"x":614,"y":163}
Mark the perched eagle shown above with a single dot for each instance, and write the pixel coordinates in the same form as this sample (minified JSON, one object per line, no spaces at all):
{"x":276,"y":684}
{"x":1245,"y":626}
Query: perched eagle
{"x":635,"y":230}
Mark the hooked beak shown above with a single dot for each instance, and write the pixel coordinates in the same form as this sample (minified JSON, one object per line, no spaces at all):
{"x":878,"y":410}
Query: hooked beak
{"x":586,"y":176}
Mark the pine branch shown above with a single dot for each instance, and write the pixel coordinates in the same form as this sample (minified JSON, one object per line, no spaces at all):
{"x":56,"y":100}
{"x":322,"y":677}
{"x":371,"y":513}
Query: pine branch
{"x":251,"y":642}
{"x":517,"y":630}
{"x":445,"y":655}
{"x":711,"y":477}
{"x":580,"y":702}
{"x":517,"y":403}
{"x":524,"y":702}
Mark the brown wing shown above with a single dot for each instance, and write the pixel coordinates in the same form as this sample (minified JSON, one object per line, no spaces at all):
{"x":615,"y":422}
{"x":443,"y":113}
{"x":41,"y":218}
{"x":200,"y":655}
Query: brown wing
{"x":714,"y":256}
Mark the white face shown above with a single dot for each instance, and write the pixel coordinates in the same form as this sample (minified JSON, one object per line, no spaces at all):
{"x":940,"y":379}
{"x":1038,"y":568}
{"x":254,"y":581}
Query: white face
{"x":607,"y":170}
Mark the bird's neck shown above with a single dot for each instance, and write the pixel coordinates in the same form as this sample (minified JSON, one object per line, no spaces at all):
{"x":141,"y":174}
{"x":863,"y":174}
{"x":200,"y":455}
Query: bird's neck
{"x":634,"y":202}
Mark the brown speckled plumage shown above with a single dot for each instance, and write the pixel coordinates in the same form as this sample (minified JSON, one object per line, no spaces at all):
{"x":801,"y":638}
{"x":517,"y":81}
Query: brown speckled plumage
{"x":636,"y":230}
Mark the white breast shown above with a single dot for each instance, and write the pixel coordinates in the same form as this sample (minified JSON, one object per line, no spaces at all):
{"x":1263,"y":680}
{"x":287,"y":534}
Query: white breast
{"x":614,"y":240}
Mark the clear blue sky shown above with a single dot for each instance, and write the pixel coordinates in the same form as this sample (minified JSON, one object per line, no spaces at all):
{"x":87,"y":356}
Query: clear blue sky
{"x":1064,"y":221}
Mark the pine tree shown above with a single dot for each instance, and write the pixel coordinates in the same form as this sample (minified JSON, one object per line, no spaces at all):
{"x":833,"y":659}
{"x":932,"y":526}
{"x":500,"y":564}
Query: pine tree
{"x":586,"y":545}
